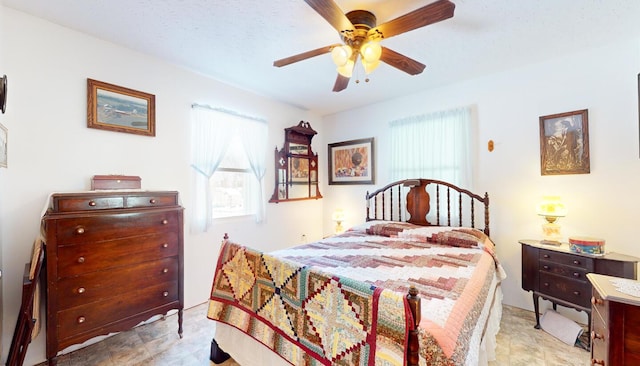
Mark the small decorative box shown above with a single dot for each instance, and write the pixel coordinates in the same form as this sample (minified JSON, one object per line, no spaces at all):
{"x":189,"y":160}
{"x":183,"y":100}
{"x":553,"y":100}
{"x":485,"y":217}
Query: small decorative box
{"x":100,"y":182}
{"x":587,"y":245}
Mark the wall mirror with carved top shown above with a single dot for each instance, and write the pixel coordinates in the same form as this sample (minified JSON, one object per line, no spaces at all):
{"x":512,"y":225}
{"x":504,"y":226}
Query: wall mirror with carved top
{"x":296,"y":164}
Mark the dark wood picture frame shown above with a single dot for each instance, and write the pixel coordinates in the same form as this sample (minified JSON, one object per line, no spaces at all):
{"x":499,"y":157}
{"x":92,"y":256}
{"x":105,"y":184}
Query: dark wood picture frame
{"x":352,"y":162}
{"x":564,"y":143}
{"x":116,"y":108}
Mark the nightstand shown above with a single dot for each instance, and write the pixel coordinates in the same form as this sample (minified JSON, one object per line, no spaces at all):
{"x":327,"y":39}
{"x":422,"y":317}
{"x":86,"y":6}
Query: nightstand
{"x":616,"y":336}
{"x":560,"y":276}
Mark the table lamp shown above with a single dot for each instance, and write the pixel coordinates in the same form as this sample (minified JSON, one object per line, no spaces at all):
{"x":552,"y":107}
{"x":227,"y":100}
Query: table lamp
{"x":551,"y":208}
{"x":338,"y":217}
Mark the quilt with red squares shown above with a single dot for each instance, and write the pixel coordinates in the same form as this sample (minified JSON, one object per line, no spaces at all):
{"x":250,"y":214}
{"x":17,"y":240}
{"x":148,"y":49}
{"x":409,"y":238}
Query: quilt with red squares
{"x":341,"y":300}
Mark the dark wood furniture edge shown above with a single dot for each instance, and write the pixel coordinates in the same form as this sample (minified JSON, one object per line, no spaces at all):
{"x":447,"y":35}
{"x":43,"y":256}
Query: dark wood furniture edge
{"x":25,"y":322}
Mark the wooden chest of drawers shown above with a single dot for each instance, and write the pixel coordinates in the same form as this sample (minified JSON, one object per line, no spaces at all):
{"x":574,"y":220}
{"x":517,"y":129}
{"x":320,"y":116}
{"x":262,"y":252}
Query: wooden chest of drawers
{"x":560,"y":276}
{"x":113,"y":260}
{"x":615,"y":335}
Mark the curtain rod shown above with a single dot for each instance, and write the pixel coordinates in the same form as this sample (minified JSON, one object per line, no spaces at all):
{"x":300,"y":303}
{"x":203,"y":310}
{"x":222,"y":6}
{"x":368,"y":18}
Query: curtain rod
{"x":228,"y":111}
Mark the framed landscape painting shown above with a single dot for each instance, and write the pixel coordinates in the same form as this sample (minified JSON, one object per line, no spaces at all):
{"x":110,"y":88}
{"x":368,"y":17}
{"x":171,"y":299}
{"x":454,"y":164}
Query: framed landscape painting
{"x":116,"y":108}
{"x":564,"y":143}
{"x":351,"y":162}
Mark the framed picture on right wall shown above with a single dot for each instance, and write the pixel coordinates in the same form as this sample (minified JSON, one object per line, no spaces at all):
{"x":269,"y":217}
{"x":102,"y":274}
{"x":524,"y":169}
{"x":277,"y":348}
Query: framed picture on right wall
{"x":3,"y":146}
{"x":564,"y":143}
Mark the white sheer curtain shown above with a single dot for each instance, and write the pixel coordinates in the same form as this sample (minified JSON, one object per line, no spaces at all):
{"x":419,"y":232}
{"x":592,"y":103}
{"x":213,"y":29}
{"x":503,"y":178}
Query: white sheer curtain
{"x":211,"y":131}
{"x":436,"y":146}
{"x":254,"y":137}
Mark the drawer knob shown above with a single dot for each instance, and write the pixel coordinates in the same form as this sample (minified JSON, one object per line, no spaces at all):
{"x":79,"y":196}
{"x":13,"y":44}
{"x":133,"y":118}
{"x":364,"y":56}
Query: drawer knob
{"x":165,"y":294}
{"x":595,"y":301}
{"x":595,"y":336}
{"x":576,"y":274}
{"x":92,"y":203}
{"x":166,"y":270}
{"x":546,"y":284}
{"x":545,"y":267}
{"x":576,"y":262}
{"x":165,"y":221}
{"x":546,"y":256}
{"x":152,"y":201}
{"x":577,"y":293}
{"x":81,"y":290}
{"x":79,"y":230}
{"x":81,"y":260}
{"x":165,"y":245}
{"x":81,"y":319}
{"x":597,"y":362}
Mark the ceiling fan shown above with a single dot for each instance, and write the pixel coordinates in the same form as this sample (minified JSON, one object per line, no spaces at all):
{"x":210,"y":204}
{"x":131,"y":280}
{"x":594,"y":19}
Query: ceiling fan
{"x":361,"y":36}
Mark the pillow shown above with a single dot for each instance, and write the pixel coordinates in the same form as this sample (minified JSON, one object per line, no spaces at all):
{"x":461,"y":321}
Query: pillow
{"x":465,"y":238}
{"x":389,"y":229}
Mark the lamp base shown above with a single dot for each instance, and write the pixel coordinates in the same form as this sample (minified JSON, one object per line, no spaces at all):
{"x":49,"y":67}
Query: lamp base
{"x":550,"y":242}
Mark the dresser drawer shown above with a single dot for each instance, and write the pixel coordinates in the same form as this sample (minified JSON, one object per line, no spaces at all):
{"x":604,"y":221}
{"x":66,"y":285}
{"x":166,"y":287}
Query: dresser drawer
{"x":87,"y":317}
{"x":576,"y":273}
{"x":151,"y":200}
{"x":575,"y":292}
{"x":89,"y":257}
{"x":100,"y":228}
{"x":599,"y":338}
{"x":567,"y":259}
{"x":70,"y":204}
{"x":95,"y":286}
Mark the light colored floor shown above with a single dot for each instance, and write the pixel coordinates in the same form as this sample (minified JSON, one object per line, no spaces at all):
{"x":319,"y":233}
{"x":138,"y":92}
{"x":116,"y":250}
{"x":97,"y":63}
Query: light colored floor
{"x":158,"y":344}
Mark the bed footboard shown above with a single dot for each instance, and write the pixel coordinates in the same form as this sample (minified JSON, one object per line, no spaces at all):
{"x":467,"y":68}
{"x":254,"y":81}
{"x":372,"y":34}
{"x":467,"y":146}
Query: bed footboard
{"x":413,"y":346}
{"x":428,"y":202}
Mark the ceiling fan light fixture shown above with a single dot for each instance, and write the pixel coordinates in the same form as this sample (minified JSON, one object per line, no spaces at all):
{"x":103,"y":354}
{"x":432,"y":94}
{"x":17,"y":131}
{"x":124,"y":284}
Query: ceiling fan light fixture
{"x":371,"y":51}
{"x":346,"y":70}
{"x":341,"y":55}
{"x":370,"y":66}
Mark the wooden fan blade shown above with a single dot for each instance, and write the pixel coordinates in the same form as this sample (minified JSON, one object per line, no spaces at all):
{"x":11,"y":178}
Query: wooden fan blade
{"x":401,"y":62}
{"x":303,"y":56}
{"x":332,"y":13}
{"x":429,"y":14}
{"x":341,"y":83}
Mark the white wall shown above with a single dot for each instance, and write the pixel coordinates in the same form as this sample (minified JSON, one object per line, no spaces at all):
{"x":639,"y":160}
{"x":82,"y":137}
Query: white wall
{"x":52,"y":150}
{"x":603,"y":203}
{"x":2,"y":195}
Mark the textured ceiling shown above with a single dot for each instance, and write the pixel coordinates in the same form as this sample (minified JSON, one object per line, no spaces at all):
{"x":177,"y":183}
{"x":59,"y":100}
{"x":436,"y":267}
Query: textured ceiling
{"x":236,"y":42}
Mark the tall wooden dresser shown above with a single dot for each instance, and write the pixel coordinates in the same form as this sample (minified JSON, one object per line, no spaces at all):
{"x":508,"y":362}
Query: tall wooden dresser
{"x":113,"y":259}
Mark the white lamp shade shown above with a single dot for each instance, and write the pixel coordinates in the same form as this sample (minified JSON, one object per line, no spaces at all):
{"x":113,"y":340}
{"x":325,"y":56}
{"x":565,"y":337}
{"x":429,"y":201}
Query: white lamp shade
{"x":346,"y":70}
{"x":552,"y":206}
{"x":341,"y":55}
{"x":371,"y":51}
{"x":370,"y":66}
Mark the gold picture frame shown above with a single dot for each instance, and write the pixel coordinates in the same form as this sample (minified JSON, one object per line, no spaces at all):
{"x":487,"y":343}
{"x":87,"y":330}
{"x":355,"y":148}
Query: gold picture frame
{"x":564,"y":143}
{"x":116,"y":108}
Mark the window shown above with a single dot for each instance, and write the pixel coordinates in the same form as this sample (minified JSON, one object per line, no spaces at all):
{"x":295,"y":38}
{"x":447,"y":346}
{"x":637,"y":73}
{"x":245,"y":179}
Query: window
{"x":228,"y":153}
{"x":233,"y":185}
{"x":435,"y":146}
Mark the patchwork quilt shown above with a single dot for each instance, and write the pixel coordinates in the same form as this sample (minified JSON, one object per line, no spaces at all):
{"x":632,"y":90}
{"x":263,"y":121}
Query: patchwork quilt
{"x":341,"y":300}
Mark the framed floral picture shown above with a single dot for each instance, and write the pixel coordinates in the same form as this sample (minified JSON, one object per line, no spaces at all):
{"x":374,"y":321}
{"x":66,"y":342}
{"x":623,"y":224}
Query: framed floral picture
{"x":351,"y":162}
{"x":564,"y":143}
